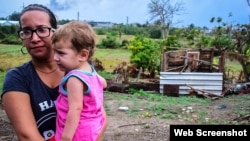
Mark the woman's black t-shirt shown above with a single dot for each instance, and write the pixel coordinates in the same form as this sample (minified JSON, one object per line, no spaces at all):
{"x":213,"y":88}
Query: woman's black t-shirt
{"x":25,"y":79}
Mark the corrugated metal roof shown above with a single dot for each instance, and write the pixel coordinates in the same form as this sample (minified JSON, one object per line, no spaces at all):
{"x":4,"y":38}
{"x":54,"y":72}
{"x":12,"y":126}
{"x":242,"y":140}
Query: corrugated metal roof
{"x":209,"y":82}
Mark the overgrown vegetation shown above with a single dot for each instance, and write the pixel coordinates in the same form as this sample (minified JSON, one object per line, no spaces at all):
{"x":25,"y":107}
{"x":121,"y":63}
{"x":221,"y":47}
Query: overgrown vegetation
{"x":8,"y":35}
{"x":145,"y":53}
{"x":141,"y":104}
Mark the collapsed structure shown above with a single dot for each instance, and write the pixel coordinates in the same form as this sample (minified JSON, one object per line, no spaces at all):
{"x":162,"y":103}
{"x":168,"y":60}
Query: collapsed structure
{"x":192,"y":71}
{"x":183,"y":72}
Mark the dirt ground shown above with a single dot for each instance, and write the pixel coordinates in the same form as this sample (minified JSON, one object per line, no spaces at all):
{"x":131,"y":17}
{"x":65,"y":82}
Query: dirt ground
{"x":128,"y":127}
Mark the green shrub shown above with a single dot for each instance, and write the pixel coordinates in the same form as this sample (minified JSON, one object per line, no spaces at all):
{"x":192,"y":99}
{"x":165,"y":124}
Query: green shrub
{"x":101,"y":31}
{"x":11,"y":39}
{"x":2,"y":35}
{"x":145,"y":54}
{"x":109,"y":42}
{"x":124,"y":43}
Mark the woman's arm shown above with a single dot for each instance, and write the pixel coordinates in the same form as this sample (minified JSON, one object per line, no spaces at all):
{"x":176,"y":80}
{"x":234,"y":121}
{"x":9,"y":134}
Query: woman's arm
{"x":18,"y":109}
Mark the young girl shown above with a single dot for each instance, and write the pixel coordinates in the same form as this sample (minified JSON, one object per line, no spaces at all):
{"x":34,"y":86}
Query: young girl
{"x":80,"y":111}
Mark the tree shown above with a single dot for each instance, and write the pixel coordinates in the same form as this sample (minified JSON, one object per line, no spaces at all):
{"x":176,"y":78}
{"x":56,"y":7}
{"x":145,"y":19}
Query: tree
{"x":63,"y":21}
{"x":248,"y":2}
{"x":241,"y":38}
{"x":14,"y":16}
{"x":164,"y":12}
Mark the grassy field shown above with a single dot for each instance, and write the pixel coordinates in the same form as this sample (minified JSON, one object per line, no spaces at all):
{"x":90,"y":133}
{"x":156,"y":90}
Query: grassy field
{"x":123,"y":37}
{"x":11,"y":56}
{"x":147,"y":112}
{"x":110,"y":58}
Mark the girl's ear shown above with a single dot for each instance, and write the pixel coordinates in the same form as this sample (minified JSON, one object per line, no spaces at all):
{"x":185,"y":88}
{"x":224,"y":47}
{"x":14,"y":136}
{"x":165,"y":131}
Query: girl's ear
{"x":84,"y":54}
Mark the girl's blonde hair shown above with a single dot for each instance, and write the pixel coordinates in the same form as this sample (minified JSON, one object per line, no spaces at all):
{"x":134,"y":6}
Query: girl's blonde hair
{"x":80,"y":34}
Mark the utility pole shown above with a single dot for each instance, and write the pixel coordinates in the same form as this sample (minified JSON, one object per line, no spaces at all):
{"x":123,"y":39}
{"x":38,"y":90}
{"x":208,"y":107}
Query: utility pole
{"x":78,"y":15}
{"x":127,"y":20}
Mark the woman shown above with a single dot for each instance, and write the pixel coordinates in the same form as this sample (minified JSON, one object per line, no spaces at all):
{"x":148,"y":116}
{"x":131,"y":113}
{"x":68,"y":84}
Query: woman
{"x":29,"y":91}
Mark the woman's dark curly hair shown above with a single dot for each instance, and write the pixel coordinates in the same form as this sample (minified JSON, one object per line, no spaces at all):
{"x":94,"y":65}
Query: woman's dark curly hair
{"x":39,"y":7}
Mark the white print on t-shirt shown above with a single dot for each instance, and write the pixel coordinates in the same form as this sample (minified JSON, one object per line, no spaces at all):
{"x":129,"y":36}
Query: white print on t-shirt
{"x":48,"y":134}
{"x":46,"y":105}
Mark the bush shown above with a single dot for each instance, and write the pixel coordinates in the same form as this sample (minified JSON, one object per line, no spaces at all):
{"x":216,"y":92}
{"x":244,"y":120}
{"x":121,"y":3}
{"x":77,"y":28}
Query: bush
{"x":109,"y":42}
{"x":145,"y":54}
{"x":124,"y":43}
{"x":2,"y":35}
{"x":11,"y":39}
{"x":100,"y":31}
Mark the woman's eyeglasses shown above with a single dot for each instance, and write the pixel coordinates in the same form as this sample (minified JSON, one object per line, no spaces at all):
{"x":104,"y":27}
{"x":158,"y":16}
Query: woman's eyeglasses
{"x":40,"y":32}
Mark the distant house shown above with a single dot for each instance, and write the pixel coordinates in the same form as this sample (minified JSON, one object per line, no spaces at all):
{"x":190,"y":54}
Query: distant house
{"x":100,"y":24}
{"x":8,"y":22}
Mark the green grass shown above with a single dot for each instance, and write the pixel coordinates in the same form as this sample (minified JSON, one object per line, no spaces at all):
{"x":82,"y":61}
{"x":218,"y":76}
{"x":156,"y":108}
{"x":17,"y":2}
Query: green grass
{"x":11,"y":56}
{"x":153,"y":105}
{"x":111,"y":58}
{"x":2,"y":74}
{"x":123,"y":37}
{"x":11,"y":49}
{"x":233,"y":66}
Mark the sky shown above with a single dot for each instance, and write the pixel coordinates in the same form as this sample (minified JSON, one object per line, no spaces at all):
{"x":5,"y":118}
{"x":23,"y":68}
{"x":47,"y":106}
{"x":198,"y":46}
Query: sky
{"x":197,"y":12}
